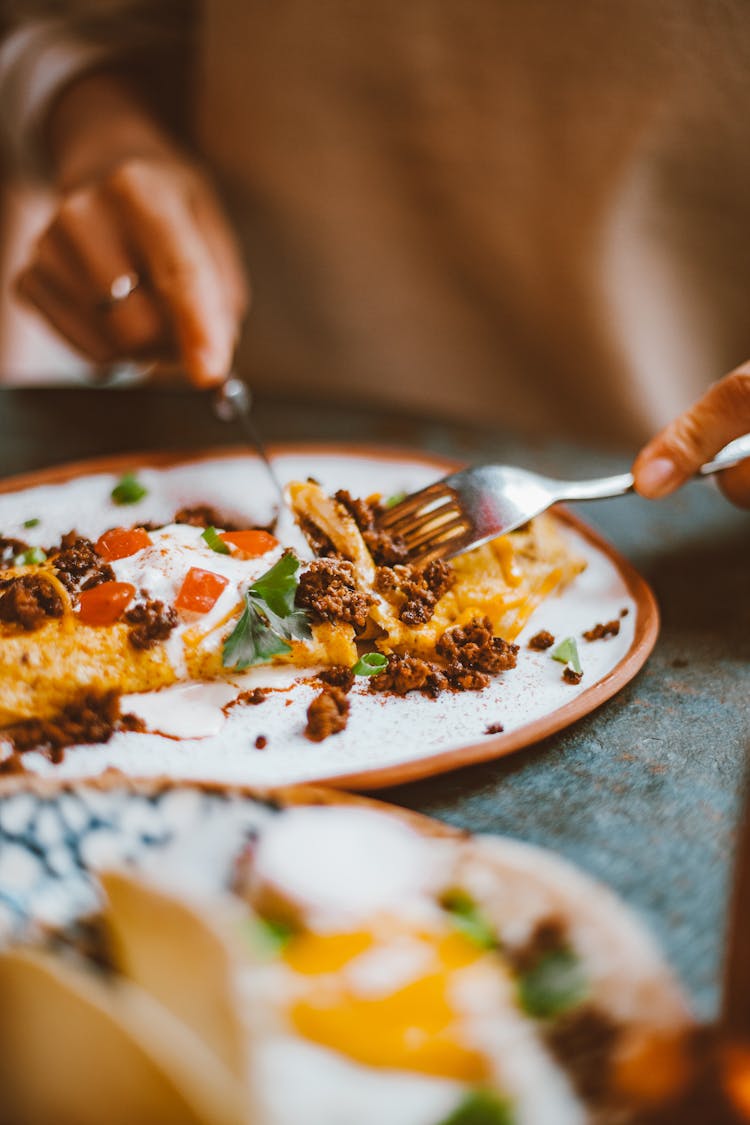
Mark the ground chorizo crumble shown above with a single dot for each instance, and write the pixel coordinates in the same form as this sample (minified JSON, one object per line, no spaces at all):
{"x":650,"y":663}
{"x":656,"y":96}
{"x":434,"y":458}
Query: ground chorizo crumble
{"x":89,"y":719}
{"x":418,"y":589}
{"x":386,"y":548}
{"x":78,"y":564}
{"x":599,"y":632}
{"x":327,"y":714}
{"x":328,"y":591}
{"x":541,"y":640}
{"x":338,"y":675}
{"x":151,"y":622}
{"x":29,"y":600}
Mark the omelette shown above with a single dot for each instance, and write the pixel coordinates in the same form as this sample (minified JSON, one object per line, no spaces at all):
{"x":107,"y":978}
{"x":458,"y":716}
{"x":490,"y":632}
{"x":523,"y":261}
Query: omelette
{"x":142,"y":608}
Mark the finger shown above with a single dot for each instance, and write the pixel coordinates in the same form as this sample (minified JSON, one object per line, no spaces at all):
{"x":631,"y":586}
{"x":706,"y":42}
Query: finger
{"x":735,"y":484}
{"x":223,"y":247}
{"x":54,"y":262}
{"x":89,"y":233}
{"x":674,"y":455}
{"x":181,"y":270}
{"x":79,"y":330}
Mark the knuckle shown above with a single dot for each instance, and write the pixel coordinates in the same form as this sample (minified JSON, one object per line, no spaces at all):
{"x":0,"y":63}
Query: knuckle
{"x":136,"y":330}
{"x":176,"y":274}
{"x":734,"y":391}
{"x":685,"y":439}
{"x":23,"y":284}
{"x":72,"y":209}
{"x":128,"y":178}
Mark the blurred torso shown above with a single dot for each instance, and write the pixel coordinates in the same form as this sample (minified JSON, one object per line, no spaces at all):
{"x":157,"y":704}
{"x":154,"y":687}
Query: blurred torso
{"x":520,"y":212}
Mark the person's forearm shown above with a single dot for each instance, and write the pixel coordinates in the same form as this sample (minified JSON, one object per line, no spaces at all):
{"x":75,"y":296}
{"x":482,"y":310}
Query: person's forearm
{"x":96,"y":123}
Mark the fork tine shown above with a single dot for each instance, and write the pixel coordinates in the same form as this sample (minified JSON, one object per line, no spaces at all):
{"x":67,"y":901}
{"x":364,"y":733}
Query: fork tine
{"x":429,"y":518}
{"x":401,"y":512}
{"x":439,"y":549}
{"x":432,"y":533}
{"x":438,"y":552}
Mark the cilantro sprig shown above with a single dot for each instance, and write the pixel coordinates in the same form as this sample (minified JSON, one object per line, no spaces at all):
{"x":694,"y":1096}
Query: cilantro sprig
{"x":269,"y":620}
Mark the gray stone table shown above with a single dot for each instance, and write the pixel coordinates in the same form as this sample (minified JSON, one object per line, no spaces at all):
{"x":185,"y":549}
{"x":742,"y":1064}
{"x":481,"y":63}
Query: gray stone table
{"x":645,"y":792}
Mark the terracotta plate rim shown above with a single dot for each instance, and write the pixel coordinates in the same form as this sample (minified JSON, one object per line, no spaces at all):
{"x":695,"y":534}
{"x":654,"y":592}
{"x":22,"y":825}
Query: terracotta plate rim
{"x":491,"y":747}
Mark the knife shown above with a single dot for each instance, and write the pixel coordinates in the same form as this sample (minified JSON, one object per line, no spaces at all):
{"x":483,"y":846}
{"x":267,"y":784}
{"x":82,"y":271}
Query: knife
{"x":233,"y":403}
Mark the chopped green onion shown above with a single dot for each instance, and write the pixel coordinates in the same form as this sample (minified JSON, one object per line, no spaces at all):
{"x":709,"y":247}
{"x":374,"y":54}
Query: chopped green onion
{"x":33,"y":557}
{"x":370,"y":664}
{"x":555,"y":984}
{"x":469,"y":919}
{"x":397,"y":497}
{"x":34,"y":522}
{"x":128,"y":490}
{"x":481,"y":1107}
{"x":268,"y":936}
{"x":214,"y":541}
{"x":567,"y":653}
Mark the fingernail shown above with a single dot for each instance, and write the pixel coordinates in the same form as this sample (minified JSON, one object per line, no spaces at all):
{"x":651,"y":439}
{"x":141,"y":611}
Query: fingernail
{"x":210,"y":367}
{"x":656,"y":477}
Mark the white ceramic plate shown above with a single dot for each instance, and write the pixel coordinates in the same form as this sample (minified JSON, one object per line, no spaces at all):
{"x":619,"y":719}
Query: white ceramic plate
{"x":388,"y":740}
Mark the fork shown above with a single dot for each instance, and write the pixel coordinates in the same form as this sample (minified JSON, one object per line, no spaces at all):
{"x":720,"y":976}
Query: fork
{"x":468,"y":508}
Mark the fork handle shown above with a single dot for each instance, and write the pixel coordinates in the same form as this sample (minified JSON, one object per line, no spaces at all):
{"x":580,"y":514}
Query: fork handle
{"x":598,"y":489}
{"x":618,"y":485}
{"x":730,"y":455}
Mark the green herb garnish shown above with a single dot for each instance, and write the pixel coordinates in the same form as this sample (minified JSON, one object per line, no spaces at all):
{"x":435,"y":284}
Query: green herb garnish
{"x":397,"y":497}
{"x":269,"y":620}
{"x":33,"y":557}
{"x":555,"y":984}
{"x":278,"y":586}
{"x":214,"y":541}
{"x":481,"y":1107}
{"x":34,"y":522}
{"x":128,"y":490}
{"x":370,"y":664}
{"x":567,"y":653}
{"x":268,"y":936}
{"x":469,"y":919}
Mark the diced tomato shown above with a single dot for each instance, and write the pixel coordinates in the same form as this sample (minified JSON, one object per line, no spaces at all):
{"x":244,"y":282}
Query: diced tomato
{"x":250,"y":544}
{"x":102,"y":605}
{"x":121,"y":542}
{"x":200,"y":591}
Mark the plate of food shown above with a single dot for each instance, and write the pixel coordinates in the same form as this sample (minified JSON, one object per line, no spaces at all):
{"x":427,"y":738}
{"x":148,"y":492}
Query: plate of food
{"x":184,"y":953}
{"x":156,"y":619}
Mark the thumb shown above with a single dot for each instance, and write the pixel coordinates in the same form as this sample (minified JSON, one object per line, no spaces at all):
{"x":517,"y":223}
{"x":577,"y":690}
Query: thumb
{"x":675,"y":454}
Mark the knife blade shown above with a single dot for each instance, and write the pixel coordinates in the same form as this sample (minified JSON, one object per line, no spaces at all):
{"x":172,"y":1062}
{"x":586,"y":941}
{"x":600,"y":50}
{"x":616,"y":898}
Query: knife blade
{"x":233,"y":403}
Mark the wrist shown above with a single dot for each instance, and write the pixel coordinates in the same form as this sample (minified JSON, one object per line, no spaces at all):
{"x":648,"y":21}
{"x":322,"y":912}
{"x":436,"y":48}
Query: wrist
{"x":95,"y":124}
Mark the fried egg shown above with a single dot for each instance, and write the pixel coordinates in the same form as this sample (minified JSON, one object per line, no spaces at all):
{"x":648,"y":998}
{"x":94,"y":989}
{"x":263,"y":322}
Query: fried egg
{"x":376,"y":1002}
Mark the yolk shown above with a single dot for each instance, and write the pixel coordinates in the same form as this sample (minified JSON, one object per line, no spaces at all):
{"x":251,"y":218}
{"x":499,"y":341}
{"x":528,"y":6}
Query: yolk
{"x":414,"y":1027}
{"x":315,"y":954}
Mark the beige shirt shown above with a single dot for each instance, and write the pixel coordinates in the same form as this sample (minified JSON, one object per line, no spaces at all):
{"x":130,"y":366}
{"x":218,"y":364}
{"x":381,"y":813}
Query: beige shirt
{"x":526,"y":213}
